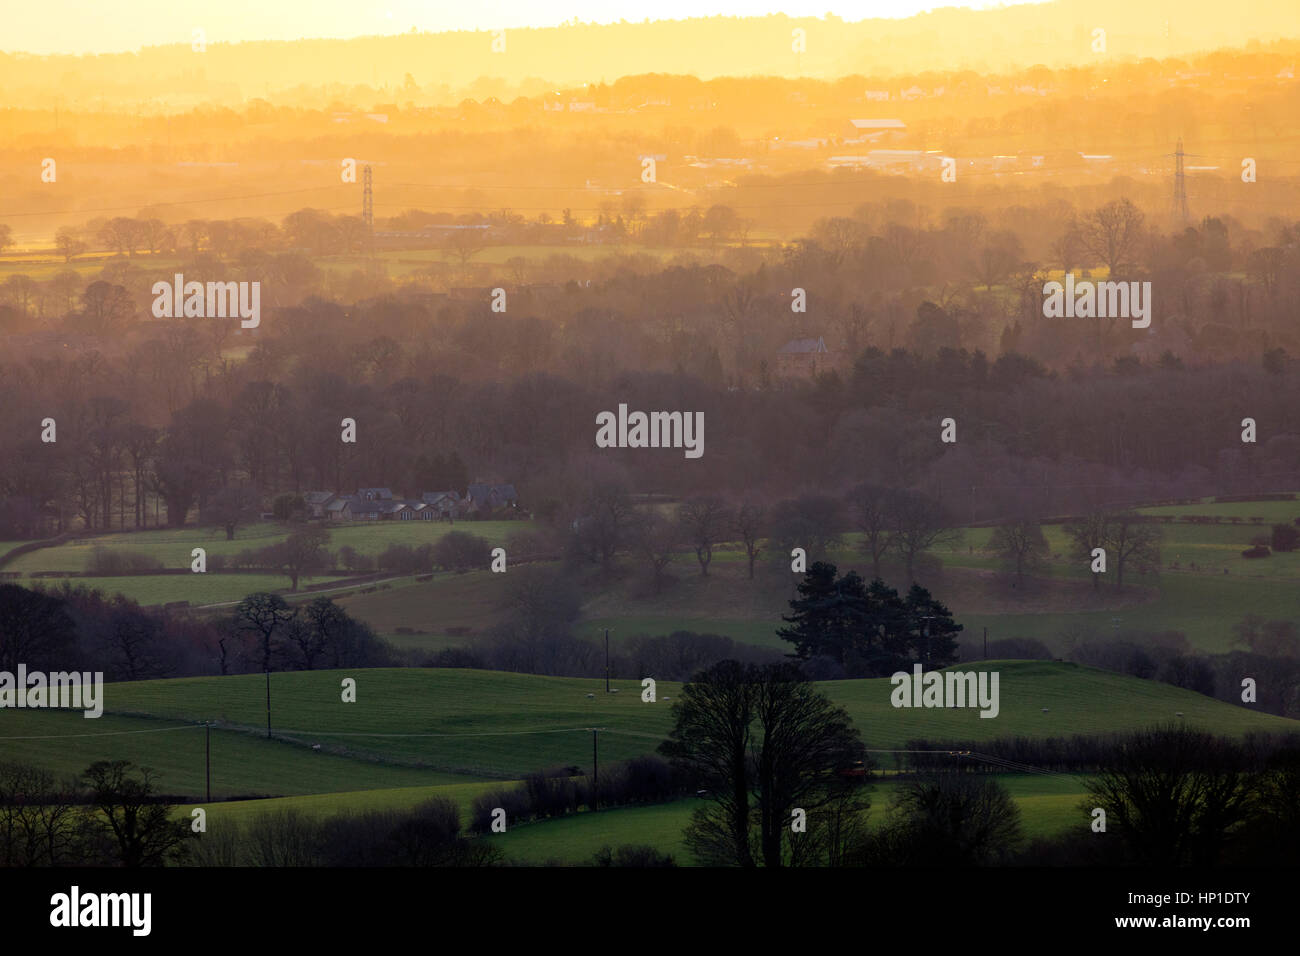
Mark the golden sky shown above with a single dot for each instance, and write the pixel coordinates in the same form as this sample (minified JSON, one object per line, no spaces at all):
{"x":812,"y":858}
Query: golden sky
{"x":95,"y":26}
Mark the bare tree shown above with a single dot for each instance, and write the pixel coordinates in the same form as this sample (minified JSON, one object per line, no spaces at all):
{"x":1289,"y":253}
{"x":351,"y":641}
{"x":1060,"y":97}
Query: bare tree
{"x":121,"y":234}
{"x":465,"y":243}
{"x":1132,"y":541}
{"x":69,"y":243}
{"x":41,"y":823}
{"x":1020,"y":545}
{"x":1172,"y":795}
{"x":1129,"y":540}
{"x":1088,"y":533}
{"x":1069,"y":249}
{"x":302,"y":552}
{"x":810,"y":522}
{"x":264,"y":615}
{"x":762,"y":741}
{"x":142,"y":826}
{"x":998,"y":258}
{"x":1113,"y":235}
{"x":955,"y":819}
{"x":156,"y":235}
{"x":704,"y":521}
{"x":869,"y":508}
{"x":840,"y":236}
{"x":655,"y":540}
{"x":918,"y":522}
{"x":230,"y":507}
{"x":35,"y":628}
{"x":710,"y":739}
{"x":749,"y":522}
{"x":806,"y":741}
{"x":602,"y":531}
{"x":312,"y":630}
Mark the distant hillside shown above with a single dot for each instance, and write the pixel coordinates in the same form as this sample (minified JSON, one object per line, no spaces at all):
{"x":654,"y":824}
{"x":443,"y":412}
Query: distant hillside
{"x":1053,"y":34}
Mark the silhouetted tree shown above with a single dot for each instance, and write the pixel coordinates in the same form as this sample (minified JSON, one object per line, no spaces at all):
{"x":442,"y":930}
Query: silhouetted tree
{"x":142,"y":826}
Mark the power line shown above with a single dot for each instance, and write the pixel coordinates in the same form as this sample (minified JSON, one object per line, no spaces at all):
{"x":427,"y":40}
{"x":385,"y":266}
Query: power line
{"x":172,"y":202}
{"x":328,"y":733}
{"x":110,"y":733}
{"x":492,"y":733}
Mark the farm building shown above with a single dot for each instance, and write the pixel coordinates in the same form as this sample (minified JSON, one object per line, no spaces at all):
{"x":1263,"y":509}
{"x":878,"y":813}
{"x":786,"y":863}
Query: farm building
{"x":443,"y":504}
{"x":317,"y":502}
{"x":806,"y":358}
{"x":486,"y":497}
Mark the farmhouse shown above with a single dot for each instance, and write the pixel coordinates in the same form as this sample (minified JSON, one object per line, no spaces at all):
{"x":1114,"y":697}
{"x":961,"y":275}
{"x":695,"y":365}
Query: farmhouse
{"x":806,"y":358}
{"x":486,"y":497}
{"x":442,"y":505}
{"x":361,"y":509}
{"x":317,"y":502}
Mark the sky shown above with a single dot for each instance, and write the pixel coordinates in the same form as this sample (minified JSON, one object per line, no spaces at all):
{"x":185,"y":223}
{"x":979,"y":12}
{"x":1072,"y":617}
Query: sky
{"x":109,"y":26}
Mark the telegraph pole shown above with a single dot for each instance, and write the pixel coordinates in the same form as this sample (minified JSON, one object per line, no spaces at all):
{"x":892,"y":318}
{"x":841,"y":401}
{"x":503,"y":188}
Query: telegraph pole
{"x":268,"y":703}
{"x":368,"y":208}
{"x":207,"y":755}
{"x":595,"y":772}
{"x":606,"y":660}
{"x":368,"y":197}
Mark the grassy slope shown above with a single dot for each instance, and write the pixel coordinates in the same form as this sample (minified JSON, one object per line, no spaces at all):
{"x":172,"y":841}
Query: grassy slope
{"x":327,"y":804}
{"x":242,"y":763}
{"x":1048,"y":805}
{"x":485,"y":724}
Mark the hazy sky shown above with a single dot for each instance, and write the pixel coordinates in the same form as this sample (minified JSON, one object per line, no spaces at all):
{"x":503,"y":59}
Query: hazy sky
{"x":100,"y":26}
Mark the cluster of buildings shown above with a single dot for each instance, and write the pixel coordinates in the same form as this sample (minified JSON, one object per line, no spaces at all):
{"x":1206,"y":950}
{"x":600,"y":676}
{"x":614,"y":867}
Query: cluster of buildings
{"x":379,"y":504}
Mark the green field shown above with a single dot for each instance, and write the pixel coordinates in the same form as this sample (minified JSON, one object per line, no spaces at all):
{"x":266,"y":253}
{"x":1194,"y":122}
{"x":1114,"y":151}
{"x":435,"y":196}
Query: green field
{"x":173,"y":547}
{"x":417,"y":733}
{"x":1205,"y":586}
{"x":1048,"y":806}
{"x":419,"y":727}
{"x":348,"y":801}
{"x":198,"y":589}
{"x":1269,"y":511}
{"x":472,"y":601}
{"x":87,"y":265}
{"x":573,"y":840}
{"x":243,"y":763}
